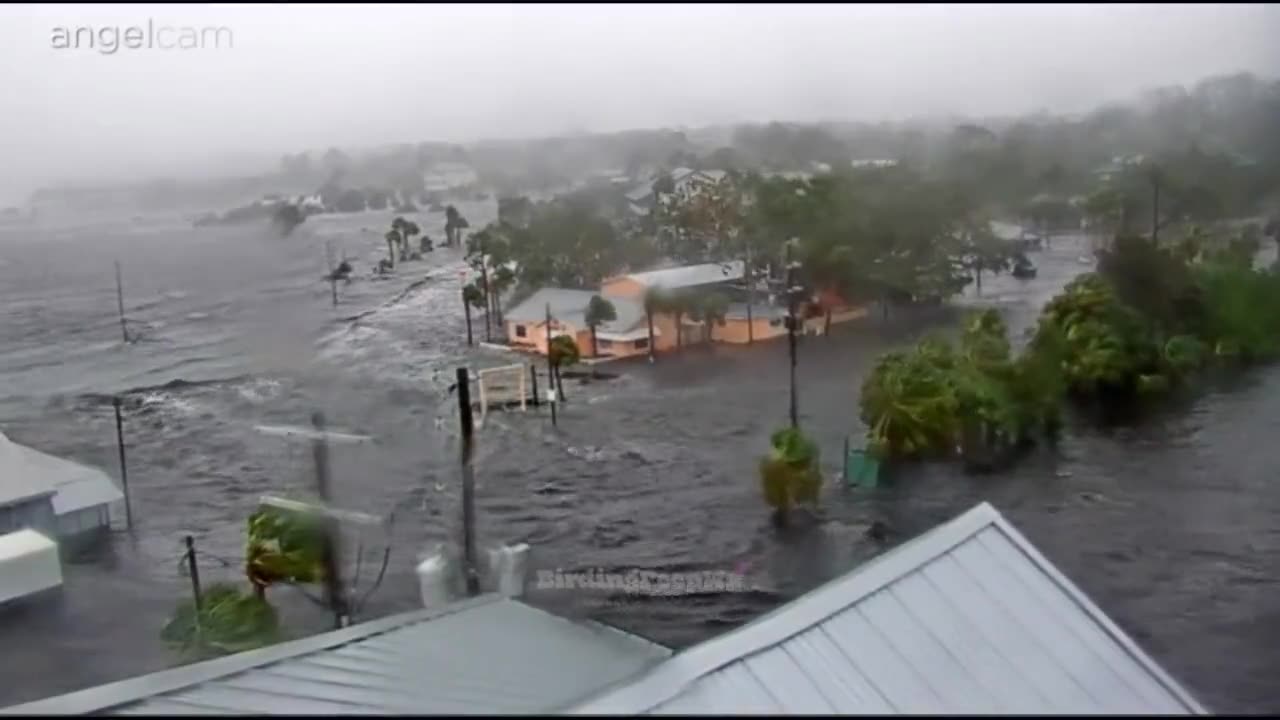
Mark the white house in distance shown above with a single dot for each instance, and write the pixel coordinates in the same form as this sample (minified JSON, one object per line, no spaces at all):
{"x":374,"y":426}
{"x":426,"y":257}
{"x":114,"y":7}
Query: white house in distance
{"x":687,"y":182}
{"x":879,"y":163}
{"x":57,"y":497}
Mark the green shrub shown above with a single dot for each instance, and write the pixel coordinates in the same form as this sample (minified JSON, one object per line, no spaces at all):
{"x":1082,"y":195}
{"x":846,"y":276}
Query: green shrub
{"x":229,"y":621}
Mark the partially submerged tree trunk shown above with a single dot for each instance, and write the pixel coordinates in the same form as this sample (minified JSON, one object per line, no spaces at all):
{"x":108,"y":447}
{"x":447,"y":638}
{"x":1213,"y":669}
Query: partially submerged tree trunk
{"x":649,"y":318}
{"x":488,"y":310}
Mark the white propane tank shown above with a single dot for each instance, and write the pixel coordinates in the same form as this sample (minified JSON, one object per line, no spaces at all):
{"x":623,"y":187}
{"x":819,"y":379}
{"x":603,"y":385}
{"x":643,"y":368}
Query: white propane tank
{"x":507,"y":570}
{"x":435,"y":580}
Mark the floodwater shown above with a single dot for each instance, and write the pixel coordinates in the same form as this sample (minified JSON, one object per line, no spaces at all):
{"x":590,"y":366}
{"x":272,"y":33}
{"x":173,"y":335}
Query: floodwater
{"x":1172,"y":527}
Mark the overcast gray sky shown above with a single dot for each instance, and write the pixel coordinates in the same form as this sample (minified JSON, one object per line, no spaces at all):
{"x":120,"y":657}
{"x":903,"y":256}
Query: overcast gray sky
{"x":303,"y":77}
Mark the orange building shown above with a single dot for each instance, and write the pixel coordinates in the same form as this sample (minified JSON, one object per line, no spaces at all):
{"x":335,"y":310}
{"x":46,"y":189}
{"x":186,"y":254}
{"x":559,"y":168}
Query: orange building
{"x":526,"y":323}
{"x":628,"y":335}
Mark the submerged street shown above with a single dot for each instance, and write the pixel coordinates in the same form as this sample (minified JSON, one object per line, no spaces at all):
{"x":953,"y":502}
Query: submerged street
{"x":1167,"y":526}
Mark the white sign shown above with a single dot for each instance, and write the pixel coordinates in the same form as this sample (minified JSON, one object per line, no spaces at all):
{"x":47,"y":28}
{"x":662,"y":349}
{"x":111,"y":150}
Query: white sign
{"x":551,"y":395}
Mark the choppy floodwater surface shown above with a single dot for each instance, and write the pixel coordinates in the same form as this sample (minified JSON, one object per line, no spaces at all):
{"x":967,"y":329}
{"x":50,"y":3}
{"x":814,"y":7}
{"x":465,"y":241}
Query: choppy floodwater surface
{"x":1173,"y":527}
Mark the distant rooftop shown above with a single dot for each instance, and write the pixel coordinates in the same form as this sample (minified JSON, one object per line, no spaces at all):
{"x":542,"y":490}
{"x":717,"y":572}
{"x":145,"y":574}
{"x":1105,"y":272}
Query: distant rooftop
{"x":690,"y":275}
{"x":570,"y":306}
{"x":26,"y":473}
{"x":489,"y":655}
{"x":966,"y":619}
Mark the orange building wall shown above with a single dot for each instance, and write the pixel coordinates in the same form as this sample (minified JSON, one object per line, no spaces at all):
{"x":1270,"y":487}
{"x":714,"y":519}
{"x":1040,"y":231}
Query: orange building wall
{"x":535,"y":338}
{"x":735,"y":330}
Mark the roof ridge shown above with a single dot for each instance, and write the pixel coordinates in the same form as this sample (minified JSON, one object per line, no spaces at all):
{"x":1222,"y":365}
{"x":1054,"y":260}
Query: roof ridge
{"x":780,"y":624}
{"x":124,"y":692}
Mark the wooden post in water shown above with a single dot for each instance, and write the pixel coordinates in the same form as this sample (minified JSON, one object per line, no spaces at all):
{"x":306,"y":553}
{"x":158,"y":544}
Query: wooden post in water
{"x":466,"y":308}
{"x":468,"y":486}
{"x":329,"y":551}
{"x":333,"y":278}
{"x":533,"y":378}
{"x":551,"y":373}
{"x":124,"y":470}
{"x":124,"y":327}
{"x":195,"y":574}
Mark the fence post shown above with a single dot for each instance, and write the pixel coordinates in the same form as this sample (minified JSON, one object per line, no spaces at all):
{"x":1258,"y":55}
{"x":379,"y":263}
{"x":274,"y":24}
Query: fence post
{"x":124,"y":470}
{"x":195,"y":574}
{"x":329,"y":552}
{"x":468,"y":486}
{"x":533,"y":376}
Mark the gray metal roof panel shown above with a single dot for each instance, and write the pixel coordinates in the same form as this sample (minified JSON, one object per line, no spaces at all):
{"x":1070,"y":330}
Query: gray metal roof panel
{"x":570,"y":306}
{"x":691,"y":275}
{"x":488,"y":655}
{"x":967,"y":618}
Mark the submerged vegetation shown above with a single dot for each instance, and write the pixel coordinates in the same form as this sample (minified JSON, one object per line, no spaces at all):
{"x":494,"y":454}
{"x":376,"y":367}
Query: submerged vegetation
{"x":1149,"y":321}
{"x":283,"y":547}
{"x":789,"y":475}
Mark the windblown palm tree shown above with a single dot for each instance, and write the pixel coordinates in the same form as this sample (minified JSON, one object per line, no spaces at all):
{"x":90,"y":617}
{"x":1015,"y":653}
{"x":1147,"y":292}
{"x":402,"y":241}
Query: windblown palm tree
{"x":599,"y":311}
{"x":393,"y":241}
{"x":654,"y":302}
{"x":562,"y":350}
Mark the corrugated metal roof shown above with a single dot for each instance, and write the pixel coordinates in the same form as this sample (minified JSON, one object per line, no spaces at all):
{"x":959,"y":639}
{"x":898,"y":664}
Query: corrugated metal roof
{"x":691,"y":275}
{"x":570,"y":306}
{"x":25,"y":470}
{"x":487,"y":655}
{"x":27,"y":473}
{"x":968,"y":618}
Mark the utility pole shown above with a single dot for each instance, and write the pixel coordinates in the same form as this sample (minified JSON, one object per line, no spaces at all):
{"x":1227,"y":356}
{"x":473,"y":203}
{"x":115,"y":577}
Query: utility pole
{"x":751,"y":294}
{"x":194,"y":570}
{"x":551,"y":384}
{"x":488,"y":298}
{"x":124,"y":327}
{"x":791,"y":329}
{"x":468,"y":486}
{"x":124,"y":470}
{"x":466,"y":308}
{"x":329,"y":551}
{"x":333,"y":278}
{"x":1155,"y":205}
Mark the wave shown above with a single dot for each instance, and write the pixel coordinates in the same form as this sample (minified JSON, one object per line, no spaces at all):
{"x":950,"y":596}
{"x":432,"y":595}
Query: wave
{"x":170,"y":386}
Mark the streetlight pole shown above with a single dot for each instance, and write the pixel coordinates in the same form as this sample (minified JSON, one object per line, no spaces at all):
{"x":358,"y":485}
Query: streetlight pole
{"x":791,"y":327}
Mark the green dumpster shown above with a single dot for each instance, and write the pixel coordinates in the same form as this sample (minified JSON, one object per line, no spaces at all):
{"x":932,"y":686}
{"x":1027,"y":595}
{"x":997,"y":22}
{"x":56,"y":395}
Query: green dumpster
{"x":860,"y":468}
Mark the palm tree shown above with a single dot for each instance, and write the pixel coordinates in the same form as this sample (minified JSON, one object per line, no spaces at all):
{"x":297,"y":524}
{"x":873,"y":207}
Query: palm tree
{"x":454,"y":224}
{"x":790,"y":474}
{"x":678,"y":306}
{"x":654,"y":301}
{"x":393,"y":240}
{"x":599,"y":311}
{"x":450,"y":225}
{"x":408,"y":229}
{"x":562,"y":350}
{"x":472,"y":296}
{"x":503,"y":279}
{"x":712,"y":310}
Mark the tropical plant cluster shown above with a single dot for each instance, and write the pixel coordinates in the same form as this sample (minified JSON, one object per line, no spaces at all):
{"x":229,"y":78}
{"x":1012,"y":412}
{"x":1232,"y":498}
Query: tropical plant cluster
{"x":789,"y":474}
{"x":1150,"y":320}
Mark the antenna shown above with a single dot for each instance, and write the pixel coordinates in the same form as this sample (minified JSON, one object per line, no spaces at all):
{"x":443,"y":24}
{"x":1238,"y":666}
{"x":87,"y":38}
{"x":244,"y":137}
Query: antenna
{"x":124,"y":327}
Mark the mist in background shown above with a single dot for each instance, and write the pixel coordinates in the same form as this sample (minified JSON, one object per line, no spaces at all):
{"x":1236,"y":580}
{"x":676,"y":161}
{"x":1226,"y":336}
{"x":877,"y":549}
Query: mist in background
{"x":303,"y":77}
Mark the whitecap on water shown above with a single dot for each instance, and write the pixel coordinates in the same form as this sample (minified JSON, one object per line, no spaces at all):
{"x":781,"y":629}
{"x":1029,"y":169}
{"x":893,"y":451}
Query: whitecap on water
{"x":259,"y":390}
